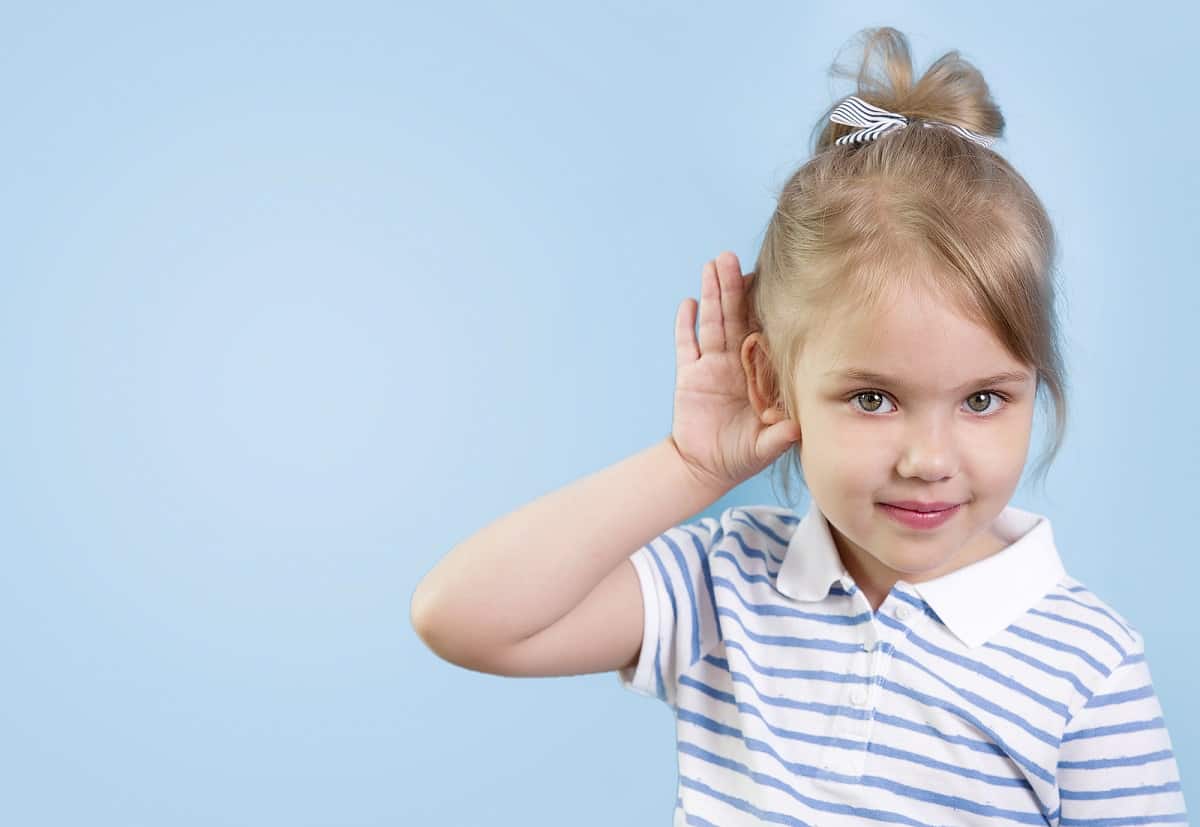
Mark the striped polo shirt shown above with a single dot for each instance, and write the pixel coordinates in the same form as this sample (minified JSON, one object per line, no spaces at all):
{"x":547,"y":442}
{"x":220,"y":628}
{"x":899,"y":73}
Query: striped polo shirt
{"x":1005,"y":692}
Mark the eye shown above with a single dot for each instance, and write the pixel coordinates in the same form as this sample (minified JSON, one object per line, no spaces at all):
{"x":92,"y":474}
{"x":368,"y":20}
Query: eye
{"x":978,"y":395}
{"x":875,"y":400}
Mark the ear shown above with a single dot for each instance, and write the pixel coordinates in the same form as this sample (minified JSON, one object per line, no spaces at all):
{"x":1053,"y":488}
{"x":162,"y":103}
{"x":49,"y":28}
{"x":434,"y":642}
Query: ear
{"x":761,"y":384}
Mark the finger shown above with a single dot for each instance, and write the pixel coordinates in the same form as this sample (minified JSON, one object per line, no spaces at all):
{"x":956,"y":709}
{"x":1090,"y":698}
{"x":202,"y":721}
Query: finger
{"x":685,"y":334}
{"x":712,"y":323}
{"x":778,"y":438}
{"x":733,"y":296}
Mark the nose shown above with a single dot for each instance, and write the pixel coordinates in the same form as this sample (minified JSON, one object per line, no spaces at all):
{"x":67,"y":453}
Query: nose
{"x":928,"y":452}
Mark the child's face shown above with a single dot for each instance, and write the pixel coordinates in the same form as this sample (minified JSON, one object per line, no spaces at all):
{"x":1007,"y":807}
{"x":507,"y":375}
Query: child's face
{"x":930,"y":435}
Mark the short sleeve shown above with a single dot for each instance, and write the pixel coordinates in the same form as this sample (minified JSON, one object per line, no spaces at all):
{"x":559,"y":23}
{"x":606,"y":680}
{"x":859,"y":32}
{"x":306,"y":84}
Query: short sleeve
{"x":679,"y":607}
{"x":1116,"y":764}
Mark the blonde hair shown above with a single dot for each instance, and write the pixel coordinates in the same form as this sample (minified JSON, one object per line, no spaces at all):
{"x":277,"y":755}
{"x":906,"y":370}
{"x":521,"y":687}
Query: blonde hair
{"x":915,"y":207}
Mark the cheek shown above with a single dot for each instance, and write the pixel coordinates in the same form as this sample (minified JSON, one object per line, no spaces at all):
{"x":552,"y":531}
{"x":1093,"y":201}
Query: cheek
{"x":840,"y":458}
{"x":1002,"y":455}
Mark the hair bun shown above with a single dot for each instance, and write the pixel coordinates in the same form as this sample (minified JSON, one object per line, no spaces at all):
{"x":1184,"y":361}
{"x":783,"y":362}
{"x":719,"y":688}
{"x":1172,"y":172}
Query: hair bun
{"x":952,"y":90}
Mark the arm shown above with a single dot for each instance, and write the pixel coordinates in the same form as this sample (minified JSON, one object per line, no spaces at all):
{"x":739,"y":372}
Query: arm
{"x":552,"y":588}
{"x":528,"y":569}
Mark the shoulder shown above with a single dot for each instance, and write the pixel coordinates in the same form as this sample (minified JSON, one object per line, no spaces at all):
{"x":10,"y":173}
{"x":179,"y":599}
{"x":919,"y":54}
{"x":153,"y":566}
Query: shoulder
{"x":754,"y":534}
{"x":1095,"y":625}
{"x":758,"y":524}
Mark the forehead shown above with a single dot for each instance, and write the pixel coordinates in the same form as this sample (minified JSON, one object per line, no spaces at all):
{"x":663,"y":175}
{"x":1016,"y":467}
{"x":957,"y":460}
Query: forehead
{"x":911,"y":334}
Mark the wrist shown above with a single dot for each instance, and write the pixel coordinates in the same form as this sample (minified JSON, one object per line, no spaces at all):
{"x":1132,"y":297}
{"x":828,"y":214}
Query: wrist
{"x":708,"y":487}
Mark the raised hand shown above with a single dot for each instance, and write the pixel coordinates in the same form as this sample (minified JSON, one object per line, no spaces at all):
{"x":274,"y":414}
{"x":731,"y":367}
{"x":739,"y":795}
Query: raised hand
{"x":714,"y":426}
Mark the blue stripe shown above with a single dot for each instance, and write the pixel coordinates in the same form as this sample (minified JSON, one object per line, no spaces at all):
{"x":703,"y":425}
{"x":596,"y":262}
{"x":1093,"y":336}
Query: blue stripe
{"x":813,"y":706}
{"x":1060,"y":646}
{"x":700,"y":822}
{"x":1116,"y":729}
{"x":912,"y":600}
{"x":767,"y":610}
{"x":981,"y":702}
{"x":660,"y":688}
{"x":1121,"y":697}
{"x":773,"y":700}
{"x":738,"y":803}
{"x":787,"y":672}
{"x":1045,"y":667}
{"x":658,"y":672}
{"x":769,"y":781}
{"x":749,"y":578}
{"x":791,"y":640}
{"x":666,"y":578}
{"x":742,"y":516}
{"x":927,"y":729}
{"x":712,"y":597}
{"x":758,"y":554}
{"x":1124,"y":761}
{"x":930,"y":700}
{"x":1119,"y":792}
{"x":684,"y":574}
{"x":975,"y":697}
{"x":1100,"y":610}
{"x":903,"y":790}
{"x":1096,"y":630}
{"x":983,"y":670}
{"x":1122,"y":821}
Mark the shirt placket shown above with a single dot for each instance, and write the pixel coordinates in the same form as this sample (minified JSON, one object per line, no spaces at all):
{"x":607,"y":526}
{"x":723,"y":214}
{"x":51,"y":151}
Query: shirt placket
{"x":854,"y":722}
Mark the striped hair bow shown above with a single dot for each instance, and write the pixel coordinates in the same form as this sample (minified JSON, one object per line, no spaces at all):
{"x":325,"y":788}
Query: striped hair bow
{"x":854,"y":111}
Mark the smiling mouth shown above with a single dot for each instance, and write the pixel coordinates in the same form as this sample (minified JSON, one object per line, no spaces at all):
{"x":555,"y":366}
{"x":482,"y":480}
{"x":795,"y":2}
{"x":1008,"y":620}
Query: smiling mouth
{"x":922,"y":508}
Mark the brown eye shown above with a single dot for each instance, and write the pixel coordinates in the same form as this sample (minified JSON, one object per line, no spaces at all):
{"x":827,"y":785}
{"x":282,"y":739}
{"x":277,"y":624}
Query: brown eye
{"x":984,"y":397}
{"x":876,"y":399}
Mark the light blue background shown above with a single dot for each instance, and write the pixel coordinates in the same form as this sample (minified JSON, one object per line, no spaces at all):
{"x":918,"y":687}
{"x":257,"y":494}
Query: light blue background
{"x":296,"y":297}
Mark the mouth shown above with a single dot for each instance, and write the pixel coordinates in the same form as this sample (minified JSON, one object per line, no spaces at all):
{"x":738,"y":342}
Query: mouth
{"x":911,"y":518}
{"x":921,"y":507}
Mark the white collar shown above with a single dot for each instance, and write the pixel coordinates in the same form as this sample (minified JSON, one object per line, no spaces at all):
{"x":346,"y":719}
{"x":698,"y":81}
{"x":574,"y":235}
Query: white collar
{"x":975,"y":601}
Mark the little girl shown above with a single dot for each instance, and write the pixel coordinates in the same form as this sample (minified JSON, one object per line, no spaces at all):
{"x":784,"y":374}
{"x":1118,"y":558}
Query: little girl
{"x":911,"y":651}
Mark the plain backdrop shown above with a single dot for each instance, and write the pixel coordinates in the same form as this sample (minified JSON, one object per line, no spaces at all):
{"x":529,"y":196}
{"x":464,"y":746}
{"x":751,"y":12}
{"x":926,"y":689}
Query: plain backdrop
{"x":294,"y":297}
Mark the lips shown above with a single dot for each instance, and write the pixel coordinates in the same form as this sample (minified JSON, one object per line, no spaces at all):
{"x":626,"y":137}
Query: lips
{"x":919,"y":519}
{"x":921,"y":507}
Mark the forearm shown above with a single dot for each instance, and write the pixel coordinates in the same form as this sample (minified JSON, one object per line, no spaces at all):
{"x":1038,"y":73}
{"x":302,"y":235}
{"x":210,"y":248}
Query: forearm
{"x":529,"y":568}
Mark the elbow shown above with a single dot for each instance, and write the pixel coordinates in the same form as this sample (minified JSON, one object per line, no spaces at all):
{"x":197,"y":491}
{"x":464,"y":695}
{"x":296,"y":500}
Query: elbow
{"x":451,"y":635}
{"x":420,"y":617}
{"x":435,"y":633}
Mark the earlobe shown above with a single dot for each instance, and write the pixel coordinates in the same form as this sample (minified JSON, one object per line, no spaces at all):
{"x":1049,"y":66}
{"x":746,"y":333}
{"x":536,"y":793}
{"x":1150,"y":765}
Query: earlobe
{"x":773,"y":414}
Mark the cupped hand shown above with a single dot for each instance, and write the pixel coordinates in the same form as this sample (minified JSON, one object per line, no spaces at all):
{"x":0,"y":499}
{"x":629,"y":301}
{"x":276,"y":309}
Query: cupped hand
{"x":715,"y":428}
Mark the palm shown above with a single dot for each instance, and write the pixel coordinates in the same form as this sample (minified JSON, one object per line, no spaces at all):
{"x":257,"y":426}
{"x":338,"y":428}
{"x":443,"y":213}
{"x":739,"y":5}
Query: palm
{"x":712,"y":410}
{"x":715,"y":428}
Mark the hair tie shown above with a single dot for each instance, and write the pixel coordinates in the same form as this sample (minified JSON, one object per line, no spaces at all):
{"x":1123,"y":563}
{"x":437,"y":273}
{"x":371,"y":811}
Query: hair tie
{"x":854,"y":111}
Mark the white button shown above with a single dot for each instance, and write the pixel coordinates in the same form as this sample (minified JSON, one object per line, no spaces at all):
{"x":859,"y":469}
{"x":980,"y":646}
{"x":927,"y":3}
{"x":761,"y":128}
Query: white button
{"x":859,"y":696}
{"x":903,"y":611}
{"x":868,"y":646}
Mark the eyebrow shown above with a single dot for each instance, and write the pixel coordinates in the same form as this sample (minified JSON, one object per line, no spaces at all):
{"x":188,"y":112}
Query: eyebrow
{"x":862,"y":375}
